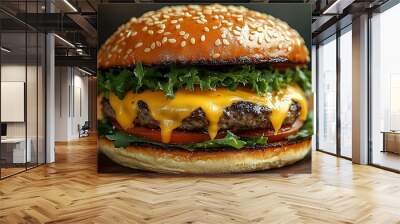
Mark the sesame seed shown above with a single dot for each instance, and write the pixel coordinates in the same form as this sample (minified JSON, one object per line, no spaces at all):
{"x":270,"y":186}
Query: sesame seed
{"x":202,"y":38}
{"x":129,"y":51}
{"x":180,"y":19}
{"x":192,"y":40}
{"x":207,"y":12}
{"x":216,"y":55}
{"x":225,"y":41}
{"x":290,"y":48}
{"x":153,"y":45}
{"x":280,"y":46}
{"x":134,"y":33}
{"x":160,"y":31}
{"x":174,"y":21}
{"x":172,"y":41}
{"x":259,"y":39}
{"x":151,"y":32}
{"x":138,"y":45}
{"x":267,"y":38}
{"x":217,"y":42}
{"x":182,"y":33}
{"x":259,"y":29}
{"x":167,"y":33}
{"x":183,"y":43}
{"x":215,"y":27}
{"x":178,"y":27}
{"x":223,"y":35}
{"x":206,"y":29}
{"x":146,"y":50}
{"x":164,"y":39}
{"x":158,"y":43}
{"x":144,"y":28}
{"x":237,"y":33}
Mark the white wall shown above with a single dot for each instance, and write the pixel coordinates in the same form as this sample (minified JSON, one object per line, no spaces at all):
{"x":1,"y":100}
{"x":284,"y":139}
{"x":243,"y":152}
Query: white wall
{"x":71,"y":102}
{"x":34,"y":125}
{"x":13,"y":73}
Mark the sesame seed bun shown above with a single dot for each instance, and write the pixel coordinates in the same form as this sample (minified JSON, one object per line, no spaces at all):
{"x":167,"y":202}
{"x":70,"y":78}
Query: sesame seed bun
{"x":203,"y":34}
{"x":203,"y":162}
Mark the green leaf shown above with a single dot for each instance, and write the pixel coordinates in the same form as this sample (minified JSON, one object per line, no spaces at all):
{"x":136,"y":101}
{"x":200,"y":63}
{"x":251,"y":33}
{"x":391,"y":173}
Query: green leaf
{"x":139,"y":74}
{"x":104,"y":127}
{"x":230,"y":140}
{"x":122,"y":140}
{"x":256,"y":141}
{"x":122,"y":82}
{"x":170,"y":78}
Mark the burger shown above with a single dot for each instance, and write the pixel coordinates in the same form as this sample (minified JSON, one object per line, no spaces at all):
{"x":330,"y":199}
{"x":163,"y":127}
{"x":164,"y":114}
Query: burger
{"x":204,"y":89}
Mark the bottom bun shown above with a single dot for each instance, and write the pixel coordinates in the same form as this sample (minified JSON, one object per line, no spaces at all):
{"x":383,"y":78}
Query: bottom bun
{"x":205,"y":162}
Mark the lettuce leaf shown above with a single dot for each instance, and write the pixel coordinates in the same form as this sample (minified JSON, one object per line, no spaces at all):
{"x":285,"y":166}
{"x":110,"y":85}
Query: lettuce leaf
{"x":171,"y":78}
{"x":230,"y":140}
{"x":122,"y":140}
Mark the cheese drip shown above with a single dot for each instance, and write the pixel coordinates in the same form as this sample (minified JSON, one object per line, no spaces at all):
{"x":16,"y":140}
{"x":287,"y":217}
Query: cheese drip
{"x":171,"y":112}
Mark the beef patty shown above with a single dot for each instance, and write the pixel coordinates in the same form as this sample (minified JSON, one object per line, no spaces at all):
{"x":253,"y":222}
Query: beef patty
{"x":239,"y":116}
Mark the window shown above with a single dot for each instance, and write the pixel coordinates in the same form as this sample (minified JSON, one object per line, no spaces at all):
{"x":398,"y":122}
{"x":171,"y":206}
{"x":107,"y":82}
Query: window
{"x":327,"y":95}
{"x":345,"y":43}
{"x":385,"y":89}
{"x":22,"y":75}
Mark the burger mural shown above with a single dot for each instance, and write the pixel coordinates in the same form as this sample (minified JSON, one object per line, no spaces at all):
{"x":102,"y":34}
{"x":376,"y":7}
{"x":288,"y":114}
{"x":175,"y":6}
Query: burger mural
{"x":204,"y":89}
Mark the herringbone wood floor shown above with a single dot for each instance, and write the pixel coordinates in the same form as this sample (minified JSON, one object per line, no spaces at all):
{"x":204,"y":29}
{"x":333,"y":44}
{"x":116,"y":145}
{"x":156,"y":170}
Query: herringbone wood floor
{"x":71,"y":191}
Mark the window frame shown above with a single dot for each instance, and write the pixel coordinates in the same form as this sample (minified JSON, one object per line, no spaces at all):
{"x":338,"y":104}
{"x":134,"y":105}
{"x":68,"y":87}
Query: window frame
{"x":380,"y":9}
{"x":338,"y":33}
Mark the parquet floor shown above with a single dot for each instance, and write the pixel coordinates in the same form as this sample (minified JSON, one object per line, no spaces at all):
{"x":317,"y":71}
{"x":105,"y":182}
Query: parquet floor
{"x":71,"y":191}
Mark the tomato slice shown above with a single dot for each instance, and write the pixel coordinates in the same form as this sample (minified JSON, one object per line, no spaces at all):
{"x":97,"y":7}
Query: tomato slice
{"x":272,"y":137}
{"x":177,"y":137}
{"x":182,"y":137}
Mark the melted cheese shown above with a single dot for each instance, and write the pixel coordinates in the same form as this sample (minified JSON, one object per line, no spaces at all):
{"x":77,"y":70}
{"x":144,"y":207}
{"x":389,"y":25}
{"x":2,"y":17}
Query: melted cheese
{"x":171,"y":112}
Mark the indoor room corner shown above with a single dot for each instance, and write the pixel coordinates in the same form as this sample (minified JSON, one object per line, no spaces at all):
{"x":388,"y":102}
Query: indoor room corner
{"x":72,"y":108}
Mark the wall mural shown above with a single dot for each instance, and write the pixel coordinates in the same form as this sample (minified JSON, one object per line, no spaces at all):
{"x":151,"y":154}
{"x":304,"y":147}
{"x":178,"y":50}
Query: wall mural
{"x":204,"y":89}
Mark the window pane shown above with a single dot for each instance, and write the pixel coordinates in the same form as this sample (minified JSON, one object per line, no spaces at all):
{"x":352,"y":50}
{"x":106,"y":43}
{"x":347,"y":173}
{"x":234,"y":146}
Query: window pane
{"x":327,"y":96}
{"x":346,"y":93}
{"x":15,"y":151}
{"x":385,"y":84}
